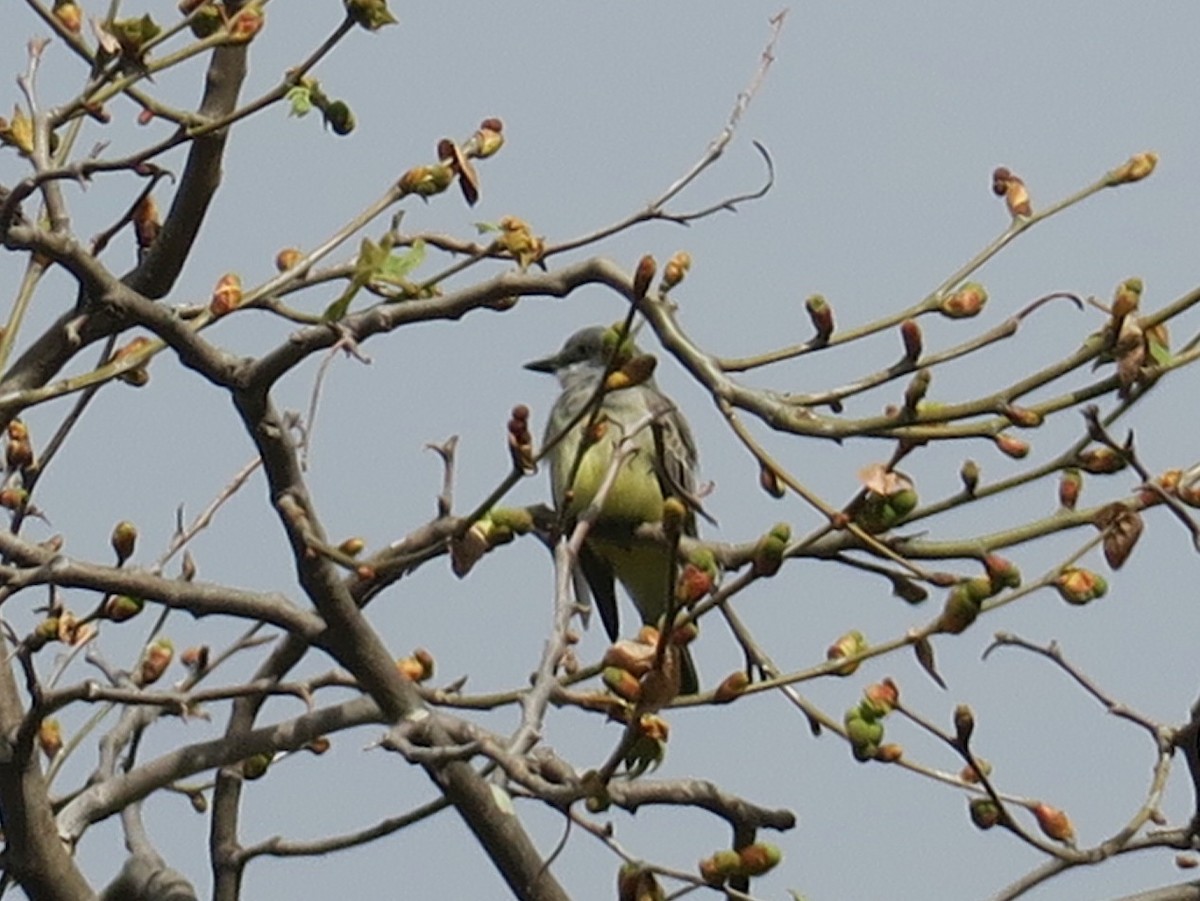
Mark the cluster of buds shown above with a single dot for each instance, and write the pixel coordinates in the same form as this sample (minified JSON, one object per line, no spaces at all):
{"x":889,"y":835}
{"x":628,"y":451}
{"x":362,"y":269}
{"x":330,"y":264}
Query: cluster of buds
{"x":697,"y":578}
{"x":227,"y":296}
{"x":155,"y":660}
{"x":675,"y":271}
{"x":751,"y":860}
{"x":60,"y":625}
{"x":889,"y":497}
{"x":207,"y":17}
{"x":496,"y":527}
{"x":864,"y":723}
{"x":518,"y":240}
{"x":417,"y":667}
{"x":1079,"y":586}
{"x":630,"y":666}
{"x":520,"y":440}
{"x":370,"y":14}
{"x":1137,"y":167}
{"x":139,"y":375}
{"x":128,"y":38}
{"x":964,"y":303}
{"x":18,"y":452}
{"x":1016,"y":196}
{"x":306,"y":94}
{"x":851,"y":644}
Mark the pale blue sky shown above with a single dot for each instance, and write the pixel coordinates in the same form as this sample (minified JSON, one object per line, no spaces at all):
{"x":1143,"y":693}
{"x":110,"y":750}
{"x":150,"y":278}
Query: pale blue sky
{"x":884,"y":122}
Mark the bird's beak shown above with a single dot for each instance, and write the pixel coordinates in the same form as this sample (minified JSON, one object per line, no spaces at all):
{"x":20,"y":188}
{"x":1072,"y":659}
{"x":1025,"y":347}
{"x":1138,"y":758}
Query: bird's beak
{"x":546,"y":364}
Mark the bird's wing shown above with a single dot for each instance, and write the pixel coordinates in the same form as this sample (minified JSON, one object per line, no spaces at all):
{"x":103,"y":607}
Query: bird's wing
{"x":676,"y":458}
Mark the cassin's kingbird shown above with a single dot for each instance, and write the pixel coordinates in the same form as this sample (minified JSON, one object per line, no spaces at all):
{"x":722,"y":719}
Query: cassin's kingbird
{"x":664,"y":465}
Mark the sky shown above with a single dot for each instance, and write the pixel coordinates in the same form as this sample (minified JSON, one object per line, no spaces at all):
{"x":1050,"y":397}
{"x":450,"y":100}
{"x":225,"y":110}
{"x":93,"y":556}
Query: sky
{"x":884,"y":123}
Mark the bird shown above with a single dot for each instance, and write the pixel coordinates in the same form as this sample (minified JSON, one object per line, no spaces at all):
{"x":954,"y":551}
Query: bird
{"x":664,"y":465}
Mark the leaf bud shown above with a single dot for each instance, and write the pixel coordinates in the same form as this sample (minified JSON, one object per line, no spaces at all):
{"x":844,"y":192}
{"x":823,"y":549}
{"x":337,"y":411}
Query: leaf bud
{"x":851,"y":644}
{"x":969,"y":474}
{"x":1011,"y":446}
{"x":1080,"y":586}
{"x":643,"y":276}
{"x":155,"y":660}
{"x":1054,"y":823}
{"x":731,"y":687}
{"x":985,"y":813}
{"x":674,"y":272}
{"x":820,"y":313}
{"x":227,"y":295}
{"x":120,"y":607}
{"x":1101,"y":461}
{"x":1137,"y":167}
{"x":123,"y":540}
{"x":964,"y":303}
{"x":256,"y":767}
{"x":910,"y":334}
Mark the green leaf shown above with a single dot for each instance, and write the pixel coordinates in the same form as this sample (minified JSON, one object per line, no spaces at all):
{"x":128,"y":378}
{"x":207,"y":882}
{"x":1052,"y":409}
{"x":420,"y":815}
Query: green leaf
{"x":1160,"y":353}
{"x":300,"y":99}
{"x":373,"y":263}
{"x":398,"y":265}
